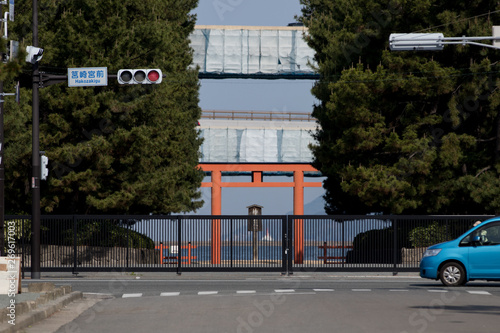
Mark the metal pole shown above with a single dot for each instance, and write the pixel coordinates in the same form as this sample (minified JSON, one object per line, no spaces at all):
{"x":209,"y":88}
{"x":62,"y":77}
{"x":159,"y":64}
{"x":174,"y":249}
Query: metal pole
{"x":2,"y":172}
{"x":395,"y":247}
{"x":284,"y":245}
{"x":35,"y":180}
{"x":255,"y":240}
{"x":2,"y":175}
{"x":179,"y":245}
{"x":75,"y":242}
{"x":231,"y":242}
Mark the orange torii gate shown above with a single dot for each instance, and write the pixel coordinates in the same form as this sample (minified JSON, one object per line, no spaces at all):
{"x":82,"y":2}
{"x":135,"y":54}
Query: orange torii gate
{"x":257,"y":169}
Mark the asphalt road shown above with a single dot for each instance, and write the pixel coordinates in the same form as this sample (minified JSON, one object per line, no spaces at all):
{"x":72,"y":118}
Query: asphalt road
{"x":271,"y":303}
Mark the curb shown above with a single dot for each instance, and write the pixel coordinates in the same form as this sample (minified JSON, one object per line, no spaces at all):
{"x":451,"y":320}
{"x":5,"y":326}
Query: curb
{"x":30,"y":312}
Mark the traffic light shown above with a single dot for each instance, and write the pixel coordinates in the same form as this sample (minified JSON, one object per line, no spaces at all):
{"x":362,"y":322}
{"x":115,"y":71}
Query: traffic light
{"x":44,"y":167}
{"x":139,"y":76}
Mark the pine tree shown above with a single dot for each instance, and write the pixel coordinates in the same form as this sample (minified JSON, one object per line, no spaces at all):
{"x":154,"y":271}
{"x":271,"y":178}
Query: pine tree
{"x":130,"y":149}
{"x":405,"y":132}
{"x":14,"y":120}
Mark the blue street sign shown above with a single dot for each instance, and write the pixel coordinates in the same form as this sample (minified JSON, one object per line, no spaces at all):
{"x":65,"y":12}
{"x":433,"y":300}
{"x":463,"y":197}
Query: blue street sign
{"x":11,"y":10}
{"x":87,"y":77}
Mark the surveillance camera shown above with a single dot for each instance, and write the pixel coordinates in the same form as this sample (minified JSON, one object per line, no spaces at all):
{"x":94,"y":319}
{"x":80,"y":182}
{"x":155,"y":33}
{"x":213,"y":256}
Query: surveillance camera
{"x":34,"y":54}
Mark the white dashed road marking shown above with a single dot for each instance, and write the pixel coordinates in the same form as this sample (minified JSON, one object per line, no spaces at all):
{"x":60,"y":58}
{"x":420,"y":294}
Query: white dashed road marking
{"x":314,"y":291}
{"x":131,"y":295}
{"x":478,"y":292}
{"x":284,"y":290}
{"x":170,"y":294}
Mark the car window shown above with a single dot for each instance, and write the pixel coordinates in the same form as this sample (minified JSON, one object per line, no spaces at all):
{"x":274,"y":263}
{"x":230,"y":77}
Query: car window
{"x":488,"y":235}
{"x":466,"y":241}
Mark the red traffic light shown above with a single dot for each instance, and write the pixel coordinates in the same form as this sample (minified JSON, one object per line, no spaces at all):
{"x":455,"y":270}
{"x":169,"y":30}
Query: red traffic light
{"x":153,"y":75}
{"x":139,"y":76}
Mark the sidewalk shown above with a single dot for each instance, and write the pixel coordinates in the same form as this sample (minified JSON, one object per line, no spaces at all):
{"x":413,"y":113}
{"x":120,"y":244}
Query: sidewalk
{"x":37,"y":302}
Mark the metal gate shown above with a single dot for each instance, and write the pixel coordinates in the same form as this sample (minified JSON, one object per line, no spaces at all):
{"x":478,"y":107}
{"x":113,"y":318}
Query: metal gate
{"x":235,"y":243}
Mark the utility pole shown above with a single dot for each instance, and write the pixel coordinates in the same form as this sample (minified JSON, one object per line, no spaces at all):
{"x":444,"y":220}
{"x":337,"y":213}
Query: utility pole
{"x":2,"y":169}
{"x":35,"y":180}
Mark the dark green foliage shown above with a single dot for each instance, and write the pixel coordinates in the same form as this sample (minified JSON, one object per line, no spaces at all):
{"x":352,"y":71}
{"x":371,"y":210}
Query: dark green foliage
{"x":374,"y":246}
{"x":106,"y":234}
{"x":428,"y":235}
{"x":89,"y":232}
{"x":117,"y":149}
{"x":407,"y":132}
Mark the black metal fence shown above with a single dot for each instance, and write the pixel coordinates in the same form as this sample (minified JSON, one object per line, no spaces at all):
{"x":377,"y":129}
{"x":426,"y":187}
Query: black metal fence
{"x":241,"y":243}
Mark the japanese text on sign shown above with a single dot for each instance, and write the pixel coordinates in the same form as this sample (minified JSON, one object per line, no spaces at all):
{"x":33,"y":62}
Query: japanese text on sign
{"x":85,"y":77}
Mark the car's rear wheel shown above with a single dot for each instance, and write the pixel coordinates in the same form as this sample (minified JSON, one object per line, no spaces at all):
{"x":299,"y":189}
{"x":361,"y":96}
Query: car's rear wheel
{"x":452,"y":274}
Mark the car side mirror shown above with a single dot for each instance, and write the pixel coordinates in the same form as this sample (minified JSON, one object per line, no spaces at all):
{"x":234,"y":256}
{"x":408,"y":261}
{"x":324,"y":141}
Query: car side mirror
{"x":476,"y":239}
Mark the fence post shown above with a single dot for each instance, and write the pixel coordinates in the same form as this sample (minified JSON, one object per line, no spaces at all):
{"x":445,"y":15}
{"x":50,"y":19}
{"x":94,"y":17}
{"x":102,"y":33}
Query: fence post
{"x":284,"y":245}
{"x":395,"y":246}
{"x":290,"y":250}
{"x":344,"y":253}
{"x":179,"y":245}
{"x":128,"y":242}
{"x":231,"y":241}
{"x":74,"y":244}
{"x":448,"y":230}
{"x":161,"y":254}
{"x":325,"y":252}
{"x":23,"y":246}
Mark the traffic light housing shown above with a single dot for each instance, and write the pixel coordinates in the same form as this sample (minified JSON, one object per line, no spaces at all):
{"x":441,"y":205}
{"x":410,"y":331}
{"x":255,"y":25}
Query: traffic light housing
{"x":34,"y":54}
{"x":139,"y":76}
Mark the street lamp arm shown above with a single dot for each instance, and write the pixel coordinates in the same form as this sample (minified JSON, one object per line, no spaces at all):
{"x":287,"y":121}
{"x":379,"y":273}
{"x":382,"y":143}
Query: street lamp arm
{"x":471,"y":38}
{"x":464,"y":42}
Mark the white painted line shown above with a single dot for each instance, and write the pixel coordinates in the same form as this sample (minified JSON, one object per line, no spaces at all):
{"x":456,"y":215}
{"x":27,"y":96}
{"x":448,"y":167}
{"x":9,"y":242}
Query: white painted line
{"x":284,"y":290}
{"x":396,"y":290}
{"x":478,"y":292}
{"x":246,"y":291}
{"x":361,"y":290}
{"x":320,"y":290}
{"x":170,"y":294}
{"x":208,"y":293}
{"x":131,"y":295}
{"x":437,"y":291}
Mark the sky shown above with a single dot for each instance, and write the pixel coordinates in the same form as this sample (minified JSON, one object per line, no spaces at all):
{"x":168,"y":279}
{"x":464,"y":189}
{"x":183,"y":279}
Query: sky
{"x":256,"y":95}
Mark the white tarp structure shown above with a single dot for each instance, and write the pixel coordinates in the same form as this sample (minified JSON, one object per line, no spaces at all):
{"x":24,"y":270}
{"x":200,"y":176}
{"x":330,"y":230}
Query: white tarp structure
{"x":251,"y":50}
{"x":254,"y":144}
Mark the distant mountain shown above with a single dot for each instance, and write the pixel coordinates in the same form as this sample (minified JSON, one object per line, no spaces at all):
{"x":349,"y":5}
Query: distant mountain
{"x":315,"y":207}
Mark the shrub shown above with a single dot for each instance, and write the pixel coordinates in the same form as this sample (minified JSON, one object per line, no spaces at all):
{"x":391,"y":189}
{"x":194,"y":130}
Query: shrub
{"x":428,"y":235}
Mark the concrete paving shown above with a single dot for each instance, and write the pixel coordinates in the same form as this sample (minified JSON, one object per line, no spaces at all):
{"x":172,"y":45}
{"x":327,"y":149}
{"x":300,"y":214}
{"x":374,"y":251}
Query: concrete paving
{"x":63,"y":316}
{"x":40,"y":300}
{"x":36,"y":302}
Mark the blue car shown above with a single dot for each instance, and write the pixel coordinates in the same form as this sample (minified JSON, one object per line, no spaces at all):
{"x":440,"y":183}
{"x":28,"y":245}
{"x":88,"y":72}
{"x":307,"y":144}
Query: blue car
{"x":473,"y":256}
